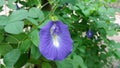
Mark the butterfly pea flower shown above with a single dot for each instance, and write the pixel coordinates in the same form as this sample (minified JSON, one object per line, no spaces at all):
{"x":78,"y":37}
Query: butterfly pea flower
{"x":55,"y":41}
{"x":89,"y":33}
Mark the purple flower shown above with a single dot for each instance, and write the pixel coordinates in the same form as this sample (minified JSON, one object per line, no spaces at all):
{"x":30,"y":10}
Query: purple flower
{"x":55,"y":41}
{"x":89,"y":34}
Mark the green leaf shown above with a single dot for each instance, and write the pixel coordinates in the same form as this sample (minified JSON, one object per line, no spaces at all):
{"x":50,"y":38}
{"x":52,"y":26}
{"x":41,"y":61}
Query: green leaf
{"x":113,"y":0}
{"x":82,"y":49}
{"x":78,"y":61}
{"x":46,"y":65}
{"x":11,"y":1}
{"x":102,"y":10}
{"x":35,"y":12}
{"x":68,"y":1}
{"x":5,"y":48}
{"x":22,"y":60}
{"x":11,"y":58}
{"x":15,"y":27}
{"x":2,"y":2}
{"x":33,"y":21}
{"x":86,"y":12}
{"x":4,"y":20}
{"x":111,"y":32}
{"x":81,"y":5}
{"x":45,"y":22}
{"x":111,"y":11}
{"x":37,"y":2}
{"x":25,"y":45}
{"x":21,"y":36}
{"x":1,"y":37}
{"x":64,"y":64}
{"x":34,"y":36}
{"x":102,"y":24}
{"x":1,"y":28}
{"x":116,"y":45}
{"x":11,"y":4}
{"x":11,"y":39}
{"x":102,"y":32}
{"x":117,"y":54}
{"x":2,"y":66}
{"x":35,"y":52}
{"x":18,"y":15}
{"x":15,"y":38}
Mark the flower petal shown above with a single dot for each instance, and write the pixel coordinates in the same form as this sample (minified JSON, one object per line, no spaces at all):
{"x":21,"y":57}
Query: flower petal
{"x":66,"y":41}
{"x":56,"y":45}
{"x":45,"y":42}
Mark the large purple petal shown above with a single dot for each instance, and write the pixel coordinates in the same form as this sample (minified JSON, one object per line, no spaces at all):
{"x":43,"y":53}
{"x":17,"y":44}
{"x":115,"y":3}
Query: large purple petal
{"x":55,"y":41}
{"x":45,"y":42}
{"x":66,"y":41}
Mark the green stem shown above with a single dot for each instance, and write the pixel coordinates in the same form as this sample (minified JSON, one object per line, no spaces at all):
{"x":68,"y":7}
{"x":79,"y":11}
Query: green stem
{"x":51,"y":13}
{"x":39,"y":3}
{"x":44,"y":5}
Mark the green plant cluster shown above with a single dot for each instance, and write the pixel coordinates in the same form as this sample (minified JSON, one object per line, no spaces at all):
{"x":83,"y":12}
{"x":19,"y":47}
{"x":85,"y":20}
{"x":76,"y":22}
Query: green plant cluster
{"x":19,"y":33}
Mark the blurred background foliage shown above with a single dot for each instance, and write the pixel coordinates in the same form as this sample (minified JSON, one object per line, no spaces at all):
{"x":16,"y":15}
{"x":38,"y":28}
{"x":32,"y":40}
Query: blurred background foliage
{"x":90,"y":23}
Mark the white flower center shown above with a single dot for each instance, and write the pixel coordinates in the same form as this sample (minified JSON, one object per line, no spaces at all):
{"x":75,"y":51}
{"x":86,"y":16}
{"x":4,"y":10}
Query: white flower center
{"x":55,"y":40}
{"x":52,"y":29}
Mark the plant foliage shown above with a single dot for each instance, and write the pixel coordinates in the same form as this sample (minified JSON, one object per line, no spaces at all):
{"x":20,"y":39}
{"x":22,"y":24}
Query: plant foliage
{"x":19,"y":33}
